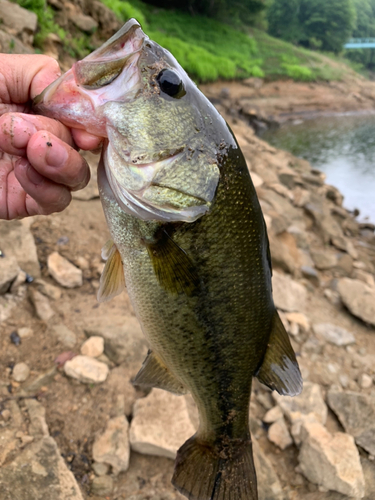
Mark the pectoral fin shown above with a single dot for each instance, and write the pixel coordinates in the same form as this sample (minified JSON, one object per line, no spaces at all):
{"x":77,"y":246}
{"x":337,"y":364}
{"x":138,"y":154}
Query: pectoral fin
{"x":112,"y":281}
{"x":175,"y":271}
{"x":280,"y":370}
{"x":155,"y":374}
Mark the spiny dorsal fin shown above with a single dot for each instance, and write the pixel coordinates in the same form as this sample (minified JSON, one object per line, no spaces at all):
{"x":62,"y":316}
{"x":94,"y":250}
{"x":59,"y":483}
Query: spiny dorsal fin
{"x":280,"y":370}
{"x":155,"y":374}
{"x":174,"y":269}
{"x":112,"y":281}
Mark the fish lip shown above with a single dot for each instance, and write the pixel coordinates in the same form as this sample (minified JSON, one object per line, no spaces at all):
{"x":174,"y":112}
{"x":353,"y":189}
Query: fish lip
{"x":131,"y":28}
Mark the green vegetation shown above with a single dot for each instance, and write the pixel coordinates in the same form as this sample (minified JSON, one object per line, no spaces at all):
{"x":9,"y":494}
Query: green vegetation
{"x":205,"y":47}
{"x":46,"y":23}
{"x":364,"y":28}
{"x":316,"y":24}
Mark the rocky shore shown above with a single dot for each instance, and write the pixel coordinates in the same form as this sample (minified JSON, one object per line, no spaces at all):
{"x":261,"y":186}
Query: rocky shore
{"x":72,"y":425}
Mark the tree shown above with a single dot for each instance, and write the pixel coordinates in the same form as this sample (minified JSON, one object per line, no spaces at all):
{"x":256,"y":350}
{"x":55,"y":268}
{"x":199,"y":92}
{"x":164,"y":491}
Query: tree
{"x":325,"y":24}
{"x":283,"y":22}
{"x":364,"y":28}
{"x":222,"y":9}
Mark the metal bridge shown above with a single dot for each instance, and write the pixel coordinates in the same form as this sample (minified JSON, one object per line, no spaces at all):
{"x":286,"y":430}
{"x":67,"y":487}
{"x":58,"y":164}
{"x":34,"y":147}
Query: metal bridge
{"x":360,"y":43}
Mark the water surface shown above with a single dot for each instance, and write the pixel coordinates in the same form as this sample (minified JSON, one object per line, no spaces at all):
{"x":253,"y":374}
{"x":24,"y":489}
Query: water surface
{"x":342,"y":146}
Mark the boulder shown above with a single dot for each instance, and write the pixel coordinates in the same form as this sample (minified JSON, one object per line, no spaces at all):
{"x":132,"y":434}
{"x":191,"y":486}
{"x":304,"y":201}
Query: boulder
{"x":86,"y":370}
{"x":309,"y":401}
{"x":41,"y":304}
{"x":331,"y":460}
{"x":334,"y":334}
{"x":356,"y":413}
{"x":289,"y":295}
{"x":63,"y":271}
{"x":121,"y":343}
{"x":160,"y":424}
{"x":93,"y":347}
{"x":279,"y":435}
{"x":9,"y":270}
{"x":359,"y":298}
{"x":269,"y":487}
{"x":64,"y":336}
{"x":17,"y":240}
{"x":112,"y":447}
{"x":18,"y":21}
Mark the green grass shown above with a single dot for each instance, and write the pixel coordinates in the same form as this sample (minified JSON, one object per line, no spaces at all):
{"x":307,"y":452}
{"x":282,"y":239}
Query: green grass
{"x":207,"y":49}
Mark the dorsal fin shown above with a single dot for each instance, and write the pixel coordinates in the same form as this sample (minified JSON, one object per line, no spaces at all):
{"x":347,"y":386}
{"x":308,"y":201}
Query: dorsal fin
{"x":112,"y":281}
{"x":280,"y":370}
{"x":175,"y":271}
{"x":154,"y":373}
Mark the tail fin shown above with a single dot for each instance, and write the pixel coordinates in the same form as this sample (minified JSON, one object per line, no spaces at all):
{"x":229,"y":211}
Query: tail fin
{"x":208,"y":472}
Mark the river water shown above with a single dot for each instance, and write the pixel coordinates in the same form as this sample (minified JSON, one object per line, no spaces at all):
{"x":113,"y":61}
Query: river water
{"x":342,"y":146}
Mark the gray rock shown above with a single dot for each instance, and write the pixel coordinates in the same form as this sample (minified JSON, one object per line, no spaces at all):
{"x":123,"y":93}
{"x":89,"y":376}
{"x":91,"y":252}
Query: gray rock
{"x":63,"y":271}
{"x":359,"y":298}
{"x":93,"y":347}
{"x":9,"y":44}
{"x":17,"y":240}
{"x":85,"y":23}
{"x":368,"y":467}
{"x":64,"y":336}
{"x":25,"y":332}
{"x":102,"y":486}
{"x":272,"y":415}
{"x":15,"y":19}
{"x":36,"y":469}
{"x":310,"y":274}
{"x":42,"y":306}
{"x":20,"y":372}
{"x":112,"y":447}
{"x":331,"y":460}
{"x":20,"y":280}
{"x":278,"y":434}
{"x":334,"y":334}
{"x":100,"y":469}
{"x":309,"y":401}
{"x":51,"y":291}
{"x":86,"y":370}
{"x":269,"y":487}
{"x":288,"y":294}
{"x":365,"y":381}
{"x":284,"y":252}
{"x":161,"y":424}
{"x":325,"y":224}
{"x":323,"y":259}
{"x":121,"y":343}
{"x":356,"y":413}
{"x":8,"y":272}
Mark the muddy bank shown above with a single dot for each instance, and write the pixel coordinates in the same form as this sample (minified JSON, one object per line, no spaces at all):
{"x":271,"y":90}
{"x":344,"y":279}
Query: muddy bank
{"x":270,"y":104}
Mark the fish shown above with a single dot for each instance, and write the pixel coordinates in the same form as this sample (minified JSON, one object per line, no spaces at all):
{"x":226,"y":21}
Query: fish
{"x":189,"y":242}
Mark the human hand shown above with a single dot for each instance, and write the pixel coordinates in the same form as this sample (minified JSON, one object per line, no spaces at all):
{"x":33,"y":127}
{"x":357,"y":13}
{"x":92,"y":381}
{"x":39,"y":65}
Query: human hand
{"x":39,"y":166}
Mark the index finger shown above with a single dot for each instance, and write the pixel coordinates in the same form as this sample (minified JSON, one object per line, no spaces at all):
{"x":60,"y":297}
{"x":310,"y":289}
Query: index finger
{"x":16,"y":129}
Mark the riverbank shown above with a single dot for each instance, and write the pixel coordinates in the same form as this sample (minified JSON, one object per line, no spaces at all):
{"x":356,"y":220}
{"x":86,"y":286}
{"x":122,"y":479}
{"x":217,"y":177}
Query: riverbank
{"x":270,"y":104}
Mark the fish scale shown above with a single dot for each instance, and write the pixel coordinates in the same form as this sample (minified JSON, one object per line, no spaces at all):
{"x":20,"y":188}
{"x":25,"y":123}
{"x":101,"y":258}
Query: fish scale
{"x":189,"y":237}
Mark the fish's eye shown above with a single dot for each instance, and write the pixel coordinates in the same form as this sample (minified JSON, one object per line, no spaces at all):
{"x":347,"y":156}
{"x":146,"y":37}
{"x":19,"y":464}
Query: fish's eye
{"x":170,"y":83}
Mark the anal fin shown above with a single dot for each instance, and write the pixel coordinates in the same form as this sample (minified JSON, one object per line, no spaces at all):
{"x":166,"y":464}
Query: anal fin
{"x":280,"y":370}
{"x":155,"y":374}
{"x":112,"y":281}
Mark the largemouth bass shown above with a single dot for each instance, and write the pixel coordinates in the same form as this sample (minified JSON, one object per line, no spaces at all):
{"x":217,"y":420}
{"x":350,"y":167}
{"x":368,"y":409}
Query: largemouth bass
{"x":189,"y":241}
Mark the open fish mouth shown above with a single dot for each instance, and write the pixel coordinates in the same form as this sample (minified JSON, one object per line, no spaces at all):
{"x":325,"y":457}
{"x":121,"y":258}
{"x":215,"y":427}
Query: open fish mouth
{"x":110,"y":73}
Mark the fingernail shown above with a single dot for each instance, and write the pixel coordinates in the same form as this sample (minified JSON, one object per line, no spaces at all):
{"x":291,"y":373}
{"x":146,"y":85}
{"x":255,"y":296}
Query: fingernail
{"x":20,"y":131}
{"x":57,"y":153}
